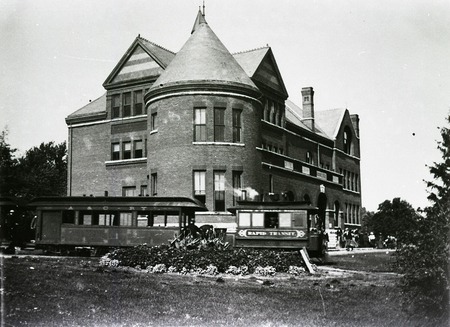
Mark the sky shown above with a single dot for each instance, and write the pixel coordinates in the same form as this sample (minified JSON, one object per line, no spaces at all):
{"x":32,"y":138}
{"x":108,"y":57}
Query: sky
{"x":386,"y":60}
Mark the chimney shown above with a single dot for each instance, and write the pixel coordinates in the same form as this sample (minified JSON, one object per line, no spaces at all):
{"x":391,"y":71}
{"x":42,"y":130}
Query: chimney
{"x":355,"y":123}
{"x":308,"y":107}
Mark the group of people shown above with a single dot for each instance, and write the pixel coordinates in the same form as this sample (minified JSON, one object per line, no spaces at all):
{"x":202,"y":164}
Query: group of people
{"x":349,"y":239}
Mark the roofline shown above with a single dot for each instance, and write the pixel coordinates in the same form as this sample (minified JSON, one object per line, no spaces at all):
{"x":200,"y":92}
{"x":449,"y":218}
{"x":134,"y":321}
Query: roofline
{"x":202,"y":87}
{"x":137,"y":201}
{"x":124,"y":58}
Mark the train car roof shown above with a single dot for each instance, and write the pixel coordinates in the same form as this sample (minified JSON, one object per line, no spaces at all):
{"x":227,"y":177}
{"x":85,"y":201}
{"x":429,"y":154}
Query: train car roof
{"x":254,"y":205}
{"x":117,"y":201}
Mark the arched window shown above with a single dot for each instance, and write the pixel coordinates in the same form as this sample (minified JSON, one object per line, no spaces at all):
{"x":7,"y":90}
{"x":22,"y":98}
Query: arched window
{"x":347,"y":141}
{"x":307,"y":199}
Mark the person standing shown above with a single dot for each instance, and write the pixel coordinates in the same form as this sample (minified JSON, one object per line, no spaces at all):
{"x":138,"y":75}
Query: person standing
{"x":348,"y":239}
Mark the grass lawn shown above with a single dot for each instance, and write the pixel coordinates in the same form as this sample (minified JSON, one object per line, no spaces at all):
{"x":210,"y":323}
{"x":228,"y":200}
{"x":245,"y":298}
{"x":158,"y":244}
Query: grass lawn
{"x":49,"y":291}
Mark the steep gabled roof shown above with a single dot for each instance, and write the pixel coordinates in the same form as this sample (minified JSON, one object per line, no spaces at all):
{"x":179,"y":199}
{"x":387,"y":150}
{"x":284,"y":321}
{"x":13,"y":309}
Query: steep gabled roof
{"x":330,"y":120}
{"x":204,"y":59}
{"x":261,"y":66}
{"x":142,"y":60}
{"x":92,"y":110}
{"x":251,"y":59}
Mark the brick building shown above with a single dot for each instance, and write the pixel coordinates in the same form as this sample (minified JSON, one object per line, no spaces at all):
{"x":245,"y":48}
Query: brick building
{"x":215,"y":126}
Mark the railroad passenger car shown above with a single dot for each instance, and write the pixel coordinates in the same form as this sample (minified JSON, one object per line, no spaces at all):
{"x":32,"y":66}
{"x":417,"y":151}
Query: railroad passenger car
{"x":64,"y":223}
{"x":277,"y":225}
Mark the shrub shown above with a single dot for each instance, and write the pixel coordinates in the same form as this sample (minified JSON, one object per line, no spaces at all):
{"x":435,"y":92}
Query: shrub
{"x":203,"y":260}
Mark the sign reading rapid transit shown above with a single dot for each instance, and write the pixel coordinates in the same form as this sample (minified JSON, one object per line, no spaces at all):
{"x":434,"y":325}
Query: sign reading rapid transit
{"x":271,"y":233}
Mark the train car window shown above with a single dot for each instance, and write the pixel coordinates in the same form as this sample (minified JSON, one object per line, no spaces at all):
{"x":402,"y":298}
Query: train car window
{"x":284,"y":219}
{"x":271,"y":220}
{"x":68,"y":217}
{"x":244,"y":219}
{"x":159,"y":220}
{"x":105,"y":219}
{"x":142,"y":220}
{"x":125,"y":219}
{"x":172,"y":220}
{"x":86,"y":219}
{"x":300,"y":219}
{"x":258,"y":219}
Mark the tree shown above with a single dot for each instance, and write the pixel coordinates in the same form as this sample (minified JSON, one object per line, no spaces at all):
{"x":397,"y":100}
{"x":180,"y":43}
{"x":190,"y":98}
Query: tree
{"x":424,"y":259}
{"x":7,"y":165}
{"x":42,"y":171}
{"x":397,"y":218}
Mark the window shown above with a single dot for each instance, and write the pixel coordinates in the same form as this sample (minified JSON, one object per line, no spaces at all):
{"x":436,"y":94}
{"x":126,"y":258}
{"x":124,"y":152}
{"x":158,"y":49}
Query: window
{"x":125,"y":219}
{"x":271,"y":220}
{"x":244,"y":219}
{"x":237,"y":127}
{"x":115,"y":151}
{"x":219,"y":191}
{"x":153,"y":118}
{"x":219,"y":124}
{"x":68,"y":217}
{"x":270,"y":184}
{"x":144,"y":190}
{"x":154,"y":183}
{"x":200,"y":186}
{"x":237,"y":186}
{"x":129,"y":191}
{"x":308,"y":157}
{"x":138,"y":149}
{"x":200,"y":125}
{"x":127,"y":104}
{"x":106,"y":219}
{"x":347,"y":141}
{"x":115,"y":104}
{"x":126,"y":150}
{"x":138,"y":103}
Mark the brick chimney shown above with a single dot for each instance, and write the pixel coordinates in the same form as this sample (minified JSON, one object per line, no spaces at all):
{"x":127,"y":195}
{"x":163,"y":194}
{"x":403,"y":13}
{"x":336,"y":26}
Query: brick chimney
{"x":308,"y":107}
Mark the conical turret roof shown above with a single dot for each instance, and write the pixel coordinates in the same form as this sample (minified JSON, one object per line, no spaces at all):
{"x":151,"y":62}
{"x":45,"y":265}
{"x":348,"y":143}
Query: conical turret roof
{"x":204,"y":60}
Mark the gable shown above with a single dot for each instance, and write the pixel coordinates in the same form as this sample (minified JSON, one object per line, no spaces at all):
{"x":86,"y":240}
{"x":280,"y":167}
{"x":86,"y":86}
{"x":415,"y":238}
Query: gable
{"x":138,"y":65}
{"x":268,"y":74}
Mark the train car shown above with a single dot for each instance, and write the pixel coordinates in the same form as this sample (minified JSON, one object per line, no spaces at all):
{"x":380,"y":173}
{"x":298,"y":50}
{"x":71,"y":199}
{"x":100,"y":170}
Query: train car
{"x":277,"y":225}
{"x":66,"y":223}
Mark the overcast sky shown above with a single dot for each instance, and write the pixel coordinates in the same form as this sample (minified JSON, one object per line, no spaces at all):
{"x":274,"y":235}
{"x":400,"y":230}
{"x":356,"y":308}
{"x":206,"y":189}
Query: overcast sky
{"x":386,"y":60}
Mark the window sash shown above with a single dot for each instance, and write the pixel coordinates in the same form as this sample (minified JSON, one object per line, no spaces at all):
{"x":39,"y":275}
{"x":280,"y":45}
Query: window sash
{"x":129,"y":191}
{"x":138,"y":149}
{"x":127,"y":104}
{"x":154,"y":116}
{"x":199,"y":183}
{"x":126,"y":150}
{"x":138,"y":102}
{"x":219,"y":124}
{"x":199,"y":125}
{"x":115,"y":151}
{"x":154,"y":184}
{"x":115,"y":106}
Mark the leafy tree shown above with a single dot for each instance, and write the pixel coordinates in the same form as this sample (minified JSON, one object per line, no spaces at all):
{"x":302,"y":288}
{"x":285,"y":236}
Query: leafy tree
{"x":42,"y":171}
{"x":366,"y":220}
{"x":424,"y":259}
{"x":397,"y":218}
{"x":7,"y":165}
